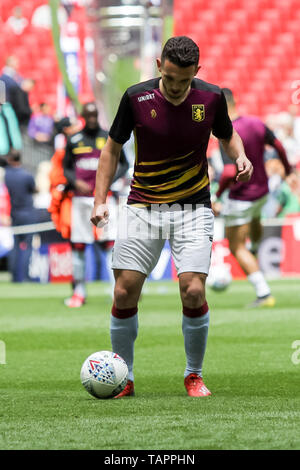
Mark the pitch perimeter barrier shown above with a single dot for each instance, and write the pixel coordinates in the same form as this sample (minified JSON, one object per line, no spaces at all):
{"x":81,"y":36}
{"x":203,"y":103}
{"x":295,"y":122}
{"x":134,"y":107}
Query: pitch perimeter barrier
{"x":34,"y":153}
{"x":278,"y":254}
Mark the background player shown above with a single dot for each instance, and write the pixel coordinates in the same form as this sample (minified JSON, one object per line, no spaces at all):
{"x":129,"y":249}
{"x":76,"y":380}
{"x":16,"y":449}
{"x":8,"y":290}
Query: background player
{"x":80,"y":164}
{"x":242,"y":210}
{"x":21,"y":188}
{"x":172,"y":118}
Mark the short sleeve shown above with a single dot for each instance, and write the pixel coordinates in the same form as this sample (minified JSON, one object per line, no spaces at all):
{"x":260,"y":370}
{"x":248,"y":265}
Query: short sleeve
{"x":222,"y":125}
{"x":269,"y":136}
{"x":123,"y":123}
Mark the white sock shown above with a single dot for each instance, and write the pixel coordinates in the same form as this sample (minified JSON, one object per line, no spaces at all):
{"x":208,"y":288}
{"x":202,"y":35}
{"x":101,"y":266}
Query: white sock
{"x":259,"y":283}
{"x":195,"y":331}
{"x":78,"y":265}
{"x":123,"y":332}
{"x":80,"y":289}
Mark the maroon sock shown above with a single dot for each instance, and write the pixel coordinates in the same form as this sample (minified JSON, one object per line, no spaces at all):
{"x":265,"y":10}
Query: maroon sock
{"x":195,"y":312}
{"x":123,"y":312}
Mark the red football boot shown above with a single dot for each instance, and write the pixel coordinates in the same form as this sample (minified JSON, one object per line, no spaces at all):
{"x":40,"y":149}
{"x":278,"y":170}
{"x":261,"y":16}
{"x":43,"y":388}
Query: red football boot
{"x":75,"y":301}
{"x":195,"y":386}
{"x":128,"y":391}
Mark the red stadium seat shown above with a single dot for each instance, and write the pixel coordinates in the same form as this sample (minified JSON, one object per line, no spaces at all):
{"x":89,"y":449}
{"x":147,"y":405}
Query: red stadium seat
{"x":259,"y":87}
{"x":254,"y":49}
{"x":233,"y":30}
{"x":240,"y":18}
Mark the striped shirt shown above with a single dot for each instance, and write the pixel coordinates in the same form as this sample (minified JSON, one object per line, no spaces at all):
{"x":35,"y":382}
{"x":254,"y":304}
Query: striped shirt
{"x":170,"y":141}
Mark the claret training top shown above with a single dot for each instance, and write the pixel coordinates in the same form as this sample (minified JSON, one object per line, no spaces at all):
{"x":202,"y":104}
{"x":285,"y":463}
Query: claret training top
{"x":255,"y":135}
{"x":171,"y":141}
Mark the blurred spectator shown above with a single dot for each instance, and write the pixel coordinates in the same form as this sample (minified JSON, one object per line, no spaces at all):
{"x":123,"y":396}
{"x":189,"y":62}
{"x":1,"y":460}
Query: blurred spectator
{"x":42,"y":198}
{"x":289,"y":195}
{"x":17,"y":23}
{"x":41,"y":125}
{"x":6,"y":241}
{"x":4,"y":201}
{"x":285,"y":133}
{"x":13,"y":91}
{"x":21,"y":187}
{"x":64,"y":128}
{"x":276,"y":174}
{"x":20,"y":102}
{"x":271,"y":122}
{"x":10,"y":77}
{"x":294,"y":111}
{"x":10,"y":136}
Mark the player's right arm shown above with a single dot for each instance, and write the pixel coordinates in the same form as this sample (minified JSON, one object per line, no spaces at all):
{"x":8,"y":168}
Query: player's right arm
{"x":272,"y":140}
{"x":119,"y":133}
{"x":107,"y":167}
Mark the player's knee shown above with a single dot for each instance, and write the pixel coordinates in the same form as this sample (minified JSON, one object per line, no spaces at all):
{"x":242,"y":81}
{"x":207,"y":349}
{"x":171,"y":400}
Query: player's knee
{"x":193,"y":295}
{"x":123,"y":295}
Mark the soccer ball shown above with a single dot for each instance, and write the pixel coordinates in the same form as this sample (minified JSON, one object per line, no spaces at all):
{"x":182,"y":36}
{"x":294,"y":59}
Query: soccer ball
{"x":104,"y":374}
{"x":219,"y":278}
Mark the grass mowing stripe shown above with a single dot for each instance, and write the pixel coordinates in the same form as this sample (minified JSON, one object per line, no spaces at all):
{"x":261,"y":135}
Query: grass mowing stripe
{"x":248,"y":367}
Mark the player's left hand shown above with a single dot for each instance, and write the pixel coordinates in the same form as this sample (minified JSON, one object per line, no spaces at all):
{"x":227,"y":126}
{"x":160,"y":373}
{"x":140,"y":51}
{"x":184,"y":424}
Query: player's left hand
{"x":244,"y":167}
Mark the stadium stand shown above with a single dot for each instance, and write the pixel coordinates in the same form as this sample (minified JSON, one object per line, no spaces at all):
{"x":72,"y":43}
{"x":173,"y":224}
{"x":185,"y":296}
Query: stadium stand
{"x":35,"y":51}
{"x":250,"y":46}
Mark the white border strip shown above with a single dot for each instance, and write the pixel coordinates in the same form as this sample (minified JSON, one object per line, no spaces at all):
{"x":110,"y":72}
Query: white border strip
{"x":33,"y":228}
{"x":46,"y":226}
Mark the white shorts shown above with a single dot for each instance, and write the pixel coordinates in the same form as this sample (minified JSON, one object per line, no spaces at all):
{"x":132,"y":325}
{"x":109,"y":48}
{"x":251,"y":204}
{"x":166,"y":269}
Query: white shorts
{"x":142,"y":234}
{"x":82,"y":229}
{"x":238,"y":212}
{"x":81,"y":226}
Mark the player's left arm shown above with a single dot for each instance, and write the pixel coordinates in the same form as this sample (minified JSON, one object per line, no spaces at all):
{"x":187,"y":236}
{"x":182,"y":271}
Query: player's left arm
{"x":234,"y":148}
{"x":272,"y":140}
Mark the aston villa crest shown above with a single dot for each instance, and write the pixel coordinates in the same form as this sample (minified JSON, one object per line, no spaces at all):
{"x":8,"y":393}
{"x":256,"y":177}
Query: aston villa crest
{"x":198,"y":112}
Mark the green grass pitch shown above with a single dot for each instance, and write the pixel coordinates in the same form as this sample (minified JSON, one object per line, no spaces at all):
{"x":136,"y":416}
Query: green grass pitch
{"x":249,"y":368}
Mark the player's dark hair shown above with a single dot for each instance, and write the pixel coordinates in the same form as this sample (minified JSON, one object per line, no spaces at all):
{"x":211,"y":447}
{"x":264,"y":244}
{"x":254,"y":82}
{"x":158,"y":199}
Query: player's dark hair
{"x":60,"y":125}
{"x":181,"y":51}
{"x":228,"y":95}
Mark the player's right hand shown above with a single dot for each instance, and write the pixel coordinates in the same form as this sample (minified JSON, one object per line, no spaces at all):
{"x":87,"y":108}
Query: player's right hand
{"x":100,"y":215}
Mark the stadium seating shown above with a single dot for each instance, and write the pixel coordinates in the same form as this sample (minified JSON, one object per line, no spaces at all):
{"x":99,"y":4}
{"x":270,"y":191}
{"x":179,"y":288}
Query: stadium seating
{"x":251,"y":46}
{"x":35,"y":51}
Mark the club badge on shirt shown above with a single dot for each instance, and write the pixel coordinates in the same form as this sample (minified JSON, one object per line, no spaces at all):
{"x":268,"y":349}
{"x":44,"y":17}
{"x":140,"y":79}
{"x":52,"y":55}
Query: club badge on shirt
{"x":198,"y":112}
